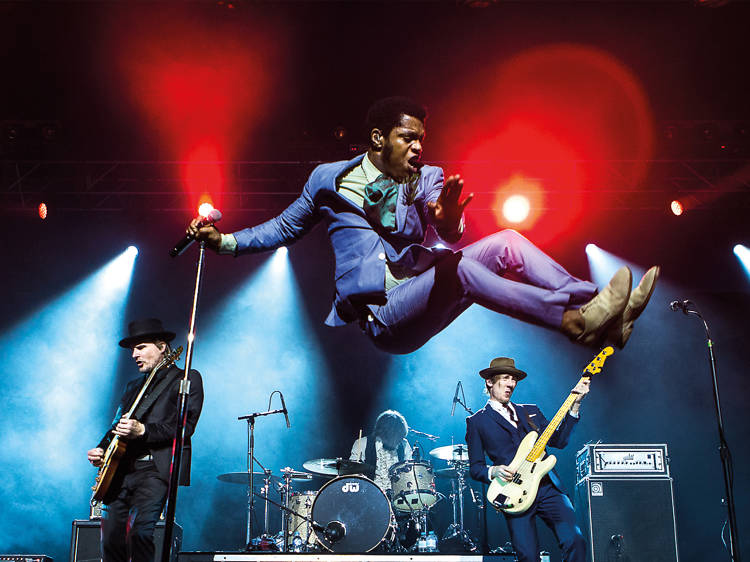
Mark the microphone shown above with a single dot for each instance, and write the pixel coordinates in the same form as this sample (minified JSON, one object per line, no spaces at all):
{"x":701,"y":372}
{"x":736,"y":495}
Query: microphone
{"x":184,"y":243}
{"x":286,"y":413}
{"x":335,"y":531}
{"x":455,"y":398}
{"x":680,"y":305}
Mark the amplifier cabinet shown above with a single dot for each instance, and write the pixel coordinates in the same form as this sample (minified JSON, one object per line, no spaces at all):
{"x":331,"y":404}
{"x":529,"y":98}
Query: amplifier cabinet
{"x":628,"y":519}
{"x":84,"y":540}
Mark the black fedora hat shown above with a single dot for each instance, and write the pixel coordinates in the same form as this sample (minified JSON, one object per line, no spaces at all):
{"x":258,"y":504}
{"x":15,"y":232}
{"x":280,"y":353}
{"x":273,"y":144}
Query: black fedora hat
{"x":502,"y":366}
{"x":145,"y":330}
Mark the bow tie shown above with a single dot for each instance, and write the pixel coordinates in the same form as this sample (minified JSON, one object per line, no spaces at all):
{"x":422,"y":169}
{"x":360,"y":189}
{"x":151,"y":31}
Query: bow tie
{"x":380,"y":201}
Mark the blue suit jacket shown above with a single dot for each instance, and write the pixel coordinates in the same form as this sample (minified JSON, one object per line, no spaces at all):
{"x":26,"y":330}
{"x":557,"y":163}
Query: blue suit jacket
{"x":488,"y":433}
{"x":359,"y":246}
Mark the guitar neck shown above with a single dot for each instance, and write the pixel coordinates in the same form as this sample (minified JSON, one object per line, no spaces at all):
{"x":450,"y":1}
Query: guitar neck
{"x":554,"y":423}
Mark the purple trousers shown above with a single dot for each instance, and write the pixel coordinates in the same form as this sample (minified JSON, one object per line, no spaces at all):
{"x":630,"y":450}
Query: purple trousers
{"x":504,"y":272}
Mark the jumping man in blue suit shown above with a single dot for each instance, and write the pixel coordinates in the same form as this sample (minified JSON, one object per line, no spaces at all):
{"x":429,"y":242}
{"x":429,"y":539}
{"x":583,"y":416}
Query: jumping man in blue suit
{"x":496,"y":432}
{"x":378,"y":207}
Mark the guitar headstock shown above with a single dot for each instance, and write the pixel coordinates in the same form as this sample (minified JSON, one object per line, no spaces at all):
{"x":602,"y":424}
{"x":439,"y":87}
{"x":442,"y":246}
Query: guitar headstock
{"x":595,"y":367}
{"x":169,"y":358}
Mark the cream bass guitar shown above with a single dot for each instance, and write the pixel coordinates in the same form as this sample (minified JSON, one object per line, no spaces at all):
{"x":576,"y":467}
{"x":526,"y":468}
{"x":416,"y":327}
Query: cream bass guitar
{"x":529,"y":463}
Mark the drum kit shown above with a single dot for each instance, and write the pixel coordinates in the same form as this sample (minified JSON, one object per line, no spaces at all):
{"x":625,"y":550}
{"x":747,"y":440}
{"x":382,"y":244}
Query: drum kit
{"x":350,"y":513}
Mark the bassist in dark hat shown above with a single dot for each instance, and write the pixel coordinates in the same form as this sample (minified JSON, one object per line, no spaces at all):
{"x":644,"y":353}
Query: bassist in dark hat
{"x":135,"y":497}
{"x":496,"y":431}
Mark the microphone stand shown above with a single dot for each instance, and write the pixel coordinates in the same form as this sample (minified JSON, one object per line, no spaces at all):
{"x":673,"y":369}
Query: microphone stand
{"x":250,"y":458}
{"x":724,"y":453}
{"x":182,"y":410}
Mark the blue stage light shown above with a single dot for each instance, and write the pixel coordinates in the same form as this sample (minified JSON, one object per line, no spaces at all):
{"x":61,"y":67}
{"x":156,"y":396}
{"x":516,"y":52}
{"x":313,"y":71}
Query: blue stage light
{"x":60,"y":361}
{"x":743,"y":253}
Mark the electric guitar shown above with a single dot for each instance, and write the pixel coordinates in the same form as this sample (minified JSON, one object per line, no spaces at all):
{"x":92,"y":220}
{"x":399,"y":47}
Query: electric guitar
{"x":530,"y":466}
{"x":117,"y":446}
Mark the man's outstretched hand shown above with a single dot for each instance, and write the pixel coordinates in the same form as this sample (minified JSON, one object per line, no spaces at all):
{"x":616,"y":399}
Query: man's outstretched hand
{"x":447,"y":210}
{"x":209,"y":233}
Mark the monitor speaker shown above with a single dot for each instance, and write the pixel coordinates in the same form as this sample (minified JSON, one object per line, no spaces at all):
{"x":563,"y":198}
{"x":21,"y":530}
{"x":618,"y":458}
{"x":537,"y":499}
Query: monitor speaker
{"x":84,"y":541}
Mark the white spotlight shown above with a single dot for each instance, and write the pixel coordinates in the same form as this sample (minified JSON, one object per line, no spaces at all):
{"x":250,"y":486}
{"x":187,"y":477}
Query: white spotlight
{"x":592,"y":249}
{"x":132,"y":251}
{"x":516,"y":208}
{"x":743,"y":253}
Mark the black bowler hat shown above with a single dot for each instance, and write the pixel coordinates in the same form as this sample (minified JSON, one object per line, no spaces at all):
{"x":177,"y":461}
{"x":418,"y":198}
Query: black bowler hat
{"x":502,"y":366}
{"x":145,"y":330}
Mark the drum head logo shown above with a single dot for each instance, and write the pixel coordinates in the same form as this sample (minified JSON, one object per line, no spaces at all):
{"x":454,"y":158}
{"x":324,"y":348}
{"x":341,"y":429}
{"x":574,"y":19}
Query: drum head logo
{"x":352,"y":487}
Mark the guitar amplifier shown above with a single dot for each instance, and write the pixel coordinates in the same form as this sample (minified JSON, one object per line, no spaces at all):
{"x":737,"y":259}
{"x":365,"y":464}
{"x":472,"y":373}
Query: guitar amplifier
{"x":622,"y":461}
{"x":85,"y":539}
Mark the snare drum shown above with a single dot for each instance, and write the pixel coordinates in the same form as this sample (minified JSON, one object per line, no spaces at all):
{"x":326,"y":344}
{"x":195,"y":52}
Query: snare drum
{"x":413,"y":485}
{"x":302,"y":503}
{"x":359,"y":510}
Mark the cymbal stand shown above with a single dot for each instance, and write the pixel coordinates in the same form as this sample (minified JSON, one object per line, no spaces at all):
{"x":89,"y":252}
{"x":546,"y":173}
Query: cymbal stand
{"x":286,"y":493}
{"x":458,"y":486}
{"x":266,"y":490}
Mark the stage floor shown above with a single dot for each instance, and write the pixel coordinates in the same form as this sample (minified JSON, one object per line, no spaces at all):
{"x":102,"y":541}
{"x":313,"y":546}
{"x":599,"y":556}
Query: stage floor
{"x":329,"y":557}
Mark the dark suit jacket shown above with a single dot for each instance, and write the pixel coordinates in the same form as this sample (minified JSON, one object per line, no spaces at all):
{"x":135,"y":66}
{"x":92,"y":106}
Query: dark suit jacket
{"x":160,"y":421}
{"x":488,"y":433}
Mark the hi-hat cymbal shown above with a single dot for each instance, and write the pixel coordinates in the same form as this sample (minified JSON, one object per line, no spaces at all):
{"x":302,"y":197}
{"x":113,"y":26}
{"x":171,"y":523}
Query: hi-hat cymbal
{"x":457,"y":452}
{"x":244,"y":478}
{"x":336,"y":467}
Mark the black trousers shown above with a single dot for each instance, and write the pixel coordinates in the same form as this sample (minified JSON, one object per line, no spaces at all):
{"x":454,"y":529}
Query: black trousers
{"x":128,"y":522}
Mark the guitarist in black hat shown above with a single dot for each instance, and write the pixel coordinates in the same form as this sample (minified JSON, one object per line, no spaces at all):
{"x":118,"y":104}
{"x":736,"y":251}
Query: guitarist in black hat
{"x":135,"y":497}
{"x":496,"y":431}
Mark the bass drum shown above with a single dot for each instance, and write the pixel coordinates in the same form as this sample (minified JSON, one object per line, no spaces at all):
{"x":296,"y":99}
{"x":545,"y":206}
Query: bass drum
{"x":361,"y":508}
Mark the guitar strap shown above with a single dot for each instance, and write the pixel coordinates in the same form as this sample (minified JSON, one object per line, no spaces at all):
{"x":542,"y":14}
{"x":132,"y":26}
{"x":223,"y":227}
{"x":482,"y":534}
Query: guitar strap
{"x":532,"y":425}
{"x":144,"y":406}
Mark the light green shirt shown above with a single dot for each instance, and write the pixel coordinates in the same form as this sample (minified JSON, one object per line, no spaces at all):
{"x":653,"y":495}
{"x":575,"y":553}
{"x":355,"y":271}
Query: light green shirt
{"x":352,"y":186}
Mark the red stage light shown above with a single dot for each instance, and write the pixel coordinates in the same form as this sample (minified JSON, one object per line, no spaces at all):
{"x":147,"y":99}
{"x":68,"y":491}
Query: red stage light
{"x":676,"y":207}
{"x":42,"y":211}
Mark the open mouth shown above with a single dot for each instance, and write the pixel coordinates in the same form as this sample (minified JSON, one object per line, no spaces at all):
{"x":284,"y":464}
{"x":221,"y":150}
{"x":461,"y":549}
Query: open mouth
{"x":414,"y":164}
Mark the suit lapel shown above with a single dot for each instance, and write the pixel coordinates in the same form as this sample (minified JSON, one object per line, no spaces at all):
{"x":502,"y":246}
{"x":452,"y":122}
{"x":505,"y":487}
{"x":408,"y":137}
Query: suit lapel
{"x":500,"y":420}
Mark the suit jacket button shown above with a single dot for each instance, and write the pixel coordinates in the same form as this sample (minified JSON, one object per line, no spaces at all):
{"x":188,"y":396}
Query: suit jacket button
{"x":381,"y":256}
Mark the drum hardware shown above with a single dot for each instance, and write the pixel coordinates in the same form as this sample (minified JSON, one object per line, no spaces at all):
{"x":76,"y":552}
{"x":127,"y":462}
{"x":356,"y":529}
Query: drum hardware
{"x":336,"y":467}
{"x":423,"y":434}
{"x":456,"y":533}
{"x":251,"y":460}
{"x":288,"y":516}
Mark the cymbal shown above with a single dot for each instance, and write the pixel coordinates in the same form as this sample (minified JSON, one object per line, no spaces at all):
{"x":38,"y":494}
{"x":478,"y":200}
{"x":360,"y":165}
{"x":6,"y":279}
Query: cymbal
{"x":336,"y":467}
{"x":243,"y":478}
{"x":457,"y":452}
